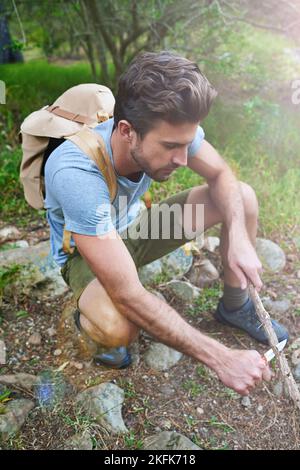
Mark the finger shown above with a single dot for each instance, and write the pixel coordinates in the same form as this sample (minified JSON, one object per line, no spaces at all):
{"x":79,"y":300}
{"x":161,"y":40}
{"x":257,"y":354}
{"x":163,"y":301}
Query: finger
{"x":241,"y":276}
{"x":257,"y":282}
{"x":255,"y":278}
{"x":260,"y":268}
{"x":267,"y":374}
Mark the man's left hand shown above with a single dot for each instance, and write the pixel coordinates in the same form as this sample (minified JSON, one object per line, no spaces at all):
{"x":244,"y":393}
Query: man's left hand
{"x":244,"y":262}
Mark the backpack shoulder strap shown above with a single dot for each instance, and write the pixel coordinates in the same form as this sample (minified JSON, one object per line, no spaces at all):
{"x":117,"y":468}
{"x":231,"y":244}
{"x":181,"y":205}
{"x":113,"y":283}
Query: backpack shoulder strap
{"x":93,"y":146}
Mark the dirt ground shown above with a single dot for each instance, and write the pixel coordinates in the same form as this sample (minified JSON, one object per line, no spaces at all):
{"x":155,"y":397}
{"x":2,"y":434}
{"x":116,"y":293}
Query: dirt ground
{"x":188,"y":398}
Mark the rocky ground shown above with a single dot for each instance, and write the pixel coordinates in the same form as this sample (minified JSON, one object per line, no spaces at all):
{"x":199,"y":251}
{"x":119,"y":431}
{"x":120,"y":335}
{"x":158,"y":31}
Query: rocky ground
{"x":164,"y":400}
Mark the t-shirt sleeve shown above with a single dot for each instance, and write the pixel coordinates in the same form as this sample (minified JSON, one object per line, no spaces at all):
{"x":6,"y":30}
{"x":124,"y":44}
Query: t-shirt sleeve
{"x":85,"y":201}
{"x":197,"y":142}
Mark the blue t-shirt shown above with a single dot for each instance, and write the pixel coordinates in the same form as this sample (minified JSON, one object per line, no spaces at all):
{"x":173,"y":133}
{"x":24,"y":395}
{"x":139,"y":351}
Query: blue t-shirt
{"x":77,"y":195}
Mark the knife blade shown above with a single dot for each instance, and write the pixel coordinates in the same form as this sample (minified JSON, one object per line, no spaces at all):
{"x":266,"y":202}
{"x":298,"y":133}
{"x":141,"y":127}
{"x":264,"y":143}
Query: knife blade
{"x":269,"y":355}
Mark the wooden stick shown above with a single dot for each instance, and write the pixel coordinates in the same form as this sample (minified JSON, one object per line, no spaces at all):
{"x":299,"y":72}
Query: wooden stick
{"x":273,"y":340}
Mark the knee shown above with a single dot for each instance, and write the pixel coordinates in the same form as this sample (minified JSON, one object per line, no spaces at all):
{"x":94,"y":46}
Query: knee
{"x":108,"y":325}
{"x":249,"y":200}
{"x":124,"y":336}
{"x":119,"y":334}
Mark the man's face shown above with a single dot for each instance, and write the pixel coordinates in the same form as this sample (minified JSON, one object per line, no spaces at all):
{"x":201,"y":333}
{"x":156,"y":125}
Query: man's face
{"x":163,"y":149}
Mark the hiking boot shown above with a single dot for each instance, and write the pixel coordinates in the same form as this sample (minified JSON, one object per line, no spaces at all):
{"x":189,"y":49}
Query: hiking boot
{"x":246,"y":319}
{"x":115,"y":358}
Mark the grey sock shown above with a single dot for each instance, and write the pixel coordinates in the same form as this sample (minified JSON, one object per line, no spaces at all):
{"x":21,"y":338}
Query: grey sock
{"x":234,"y":297}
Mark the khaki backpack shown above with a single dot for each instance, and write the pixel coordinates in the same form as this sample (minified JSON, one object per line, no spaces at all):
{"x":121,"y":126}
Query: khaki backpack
{"x":72,"y":116}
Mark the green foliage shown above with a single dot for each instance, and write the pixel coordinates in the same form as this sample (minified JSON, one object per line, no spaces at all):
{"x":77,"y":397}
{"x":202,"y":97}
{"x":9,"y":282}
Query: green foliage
{"x":5,"y":397}
{"x":206,"y":301}
{"x":28,"y":88}
{"x":20,"y":314}
{"x":256,"y":134}
{"x":226,"y":428}
{"x":132,"y":441}
{"x":8,"y":274}
{"x":35,"y":84}
{"x":194,"y":389}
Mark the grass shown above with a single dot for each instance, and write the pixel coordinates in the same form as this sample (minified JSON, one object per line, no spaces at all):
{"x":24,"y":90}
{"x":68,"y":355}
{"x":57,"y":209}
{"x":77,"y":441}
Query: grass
{"x":29,"y":87}
{"x":207,"y":300}
{"x":132,"y":441}
{"x":193,"y":388}
{"x":249,"y":132}
{"x":8,"y":274}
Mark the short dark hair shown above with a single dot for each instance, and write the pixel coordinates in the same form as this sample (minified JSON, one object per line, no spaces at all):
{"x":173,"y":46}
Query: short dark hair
{"x":162,"y":86}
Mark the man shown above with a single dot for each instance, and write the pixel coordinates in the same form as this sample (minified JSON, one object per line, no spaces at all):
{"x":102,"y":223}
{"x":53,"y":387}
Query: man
{"x":161,"y":100}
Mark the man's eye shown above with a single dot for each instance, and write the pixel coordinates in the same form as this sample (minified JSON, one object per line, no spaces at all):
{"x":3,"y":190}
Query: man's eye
{"x":171,"y":146}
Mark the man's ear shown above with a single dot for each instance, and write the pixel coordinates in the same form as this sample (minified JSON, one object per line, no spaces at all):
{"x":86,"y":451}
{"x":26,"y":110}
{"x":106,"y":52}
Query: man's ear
{"x":126,"y":130}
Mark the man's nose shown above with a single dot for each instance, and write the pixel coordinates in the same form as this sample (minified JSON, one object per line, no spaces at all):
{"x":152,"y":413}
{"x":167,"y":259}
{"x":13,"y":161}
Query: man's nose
{"x":180,"y":158}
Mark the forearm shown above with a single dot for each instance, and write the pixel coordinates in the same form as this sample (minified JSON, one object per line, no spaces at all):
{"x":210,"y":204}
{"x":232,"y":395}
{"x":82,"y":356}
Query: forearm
{"x":163,"y":322}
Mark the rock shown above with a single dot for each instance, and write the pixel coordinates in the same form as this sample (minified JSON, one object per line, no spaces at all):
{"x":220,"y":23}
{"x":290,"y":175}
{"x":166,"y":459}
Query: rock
{"x":2,"y":352}
{"x":51,"y":388}
{"x":211,"y":243}
{"x":167,"y":390}
{"x":51,"y":331}
{"x":16,"y":244}
{"x":294,"y":348}
{"x":27,"y":381}
{"x":35,"y":339}
{"x":161,"y":357}
{"x":104,"y":404}
{"x":77,"y":365}
{"x":16,"y":412}
{"x":184,"y":290}
{"x":200,"y":411}
{"x":33,"y":254}
{"x":295,"y":345}
{"x":246,"y":402}
{"x":22,"y":244}
{"x":9,"y":232}
{"x":278,"y":307}
{"x":79,"y":442}
{"x":296,"y":373}
{"x":169,"y":440}
{"x":203,"y":273}
{"x":159,"y":295}
{"x":176,"y":264}
{"x":57,"y":352}
{"x":40,"y":264}
{"x":165,"y":424}
{"x":134,"y":349}
{"x":271,"y":255}
{"x":150,"y":272}
{"x":296,"y":357}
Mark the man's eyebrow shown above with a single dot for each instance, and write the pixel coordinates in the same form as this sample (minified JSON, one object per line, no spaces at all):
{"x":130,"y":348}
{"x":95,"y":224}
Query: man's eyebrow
{"x":177,"y":144}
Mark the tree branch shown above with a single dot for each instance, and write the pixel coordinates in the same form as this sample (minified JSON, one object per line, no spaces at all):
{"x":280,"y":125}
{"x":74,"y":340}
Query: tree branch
{"x":273,"y":340}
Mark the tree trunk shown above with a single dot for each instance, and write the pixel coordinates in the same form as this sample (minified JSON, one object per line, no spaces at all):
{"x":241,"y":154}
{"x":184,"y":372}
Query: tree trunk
{"x":8,"y":54}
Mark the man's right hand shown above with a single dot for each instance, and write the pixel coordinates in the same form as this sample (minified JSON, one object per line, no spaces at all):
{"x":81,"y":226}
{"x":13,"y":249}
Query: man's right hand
{"x":242,"y":370}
